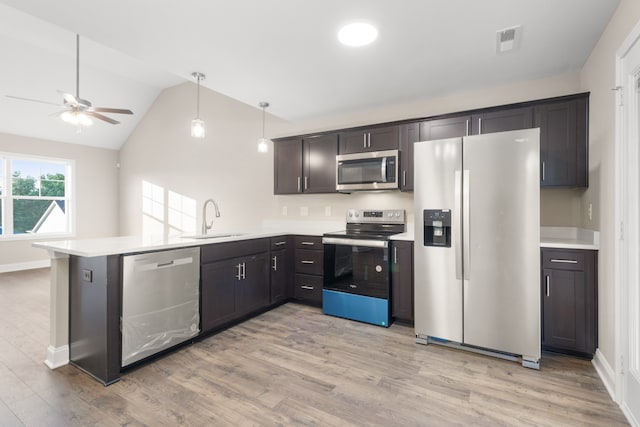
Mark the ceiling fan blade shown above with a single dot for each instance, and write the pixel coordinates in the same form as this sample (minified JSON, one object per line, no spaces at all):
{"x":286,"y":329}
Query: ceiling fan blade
{"x":111,"y":110}
{"x":32,"y":100}
{"x":101,"y":117}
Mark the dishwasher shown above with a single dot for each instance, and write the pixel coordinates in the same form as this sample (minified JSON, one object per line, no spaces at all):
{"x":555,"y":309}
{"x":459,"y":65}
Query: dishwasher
{"x":160,"y":301}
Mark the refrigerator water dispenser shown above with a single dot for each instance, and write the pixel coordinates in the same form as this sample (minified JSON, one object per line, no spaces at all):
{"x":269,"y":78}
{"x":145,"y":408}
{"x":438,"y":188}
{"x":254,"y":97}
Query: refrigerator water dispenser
{"x":437,"y":227}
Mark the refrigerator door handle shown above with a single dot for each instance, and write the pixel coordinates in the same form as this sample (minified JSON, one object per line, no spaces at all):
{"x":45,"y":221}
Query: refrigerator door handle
{"x":456,"y":222}
{"x":466,"y":226}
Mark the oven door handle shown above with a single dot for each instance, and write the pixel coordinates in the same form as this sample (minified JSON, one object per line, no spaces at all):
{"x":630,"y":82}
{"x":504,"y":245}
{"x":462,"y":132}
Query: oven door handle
{"x":355,"y":242}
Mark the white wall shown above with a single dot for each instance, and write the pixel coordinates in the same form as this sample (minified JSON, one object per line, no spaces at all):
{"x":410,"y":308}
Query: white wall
{"x":598,"y":76}
{"x":96,"y":195}
{"x":225,"y":165}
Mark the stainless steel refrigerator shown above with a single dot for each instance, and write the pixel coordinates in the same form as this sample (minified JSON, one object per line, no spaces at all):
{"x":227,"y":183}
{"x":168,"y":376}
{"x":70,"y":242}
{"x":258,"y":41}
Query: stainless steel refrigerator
{"x":477,"y":244}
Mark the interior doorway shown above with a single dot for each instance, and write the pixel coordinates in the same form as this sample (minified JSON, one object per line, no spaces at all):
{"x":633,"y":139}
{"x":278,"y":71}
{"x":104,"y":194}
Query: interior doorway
{"x":628,"y":217}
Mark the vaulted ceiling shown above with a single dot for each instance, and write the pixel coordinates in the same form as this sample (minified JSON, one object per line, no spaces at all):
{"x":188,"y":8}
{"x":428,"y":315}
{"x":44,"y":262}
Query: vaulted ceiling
{"x":282,"y":51}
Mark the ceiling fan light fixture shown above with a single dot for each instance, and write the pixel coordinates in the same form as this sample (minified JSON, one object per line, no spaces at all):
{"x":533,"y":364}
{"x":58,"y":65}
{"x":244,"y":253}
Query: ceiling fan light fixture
{"x":197,"y":124}
{"x":76,"y":118}
{"x":263,"y":143}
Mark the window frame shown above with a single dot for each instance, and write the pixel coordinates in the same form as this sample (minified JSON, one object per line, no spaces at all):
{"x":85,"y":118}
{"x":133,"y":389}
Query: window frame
{"x":7,"y":198}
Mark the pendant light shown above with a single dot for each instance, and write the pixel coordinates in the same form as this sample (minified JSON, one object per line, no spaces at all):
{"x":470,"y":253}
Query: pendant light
{"x":263,"y":143}
{"x":197,"y":124}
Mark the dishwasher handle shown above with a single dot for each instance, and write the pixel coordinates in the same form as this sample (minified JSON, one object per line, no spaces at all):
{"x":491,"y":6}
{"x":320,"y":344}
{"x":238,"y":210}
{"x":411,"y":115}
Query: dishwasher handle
{"x":149,"y":266}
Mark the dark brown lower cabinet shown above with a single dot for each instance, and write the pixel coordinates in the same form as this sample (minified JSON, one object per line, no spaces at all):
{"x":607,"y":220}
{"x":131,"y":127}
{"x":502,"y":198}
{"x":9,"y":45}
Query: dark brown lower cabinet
{"x":569,"y":301}
{"x":402,"y":281}
{"x":233,"y":288}
{"x":309,"y":269}
{"x":94,"y":316}
{"x":281,"y":268}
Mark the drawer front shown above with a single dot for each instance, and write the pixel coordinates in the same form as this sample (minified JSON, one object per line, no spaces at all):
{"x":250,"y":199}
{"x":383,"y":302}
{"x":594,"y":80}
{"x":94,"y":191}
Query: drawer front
{"x":280,"y":242}
{"x":219,"y":251}
{"x":308,"y":242}
{"x":308,"y":288}
{"x":309,"y":262}
{"x":563,"y":259}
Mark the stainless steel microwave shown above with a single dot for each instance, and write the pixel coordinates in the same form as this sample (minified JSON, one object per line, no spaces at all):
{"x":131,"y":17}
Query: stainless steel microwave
{"x":375,"y":170}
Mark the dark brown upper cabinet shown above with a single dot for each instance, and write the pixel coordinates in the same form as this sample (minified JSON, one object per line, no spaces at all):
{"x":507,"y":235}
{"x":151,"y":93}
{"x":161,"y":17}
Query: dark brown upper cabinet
{"x":374,"y":139}
{"x":301,"y":166}
{"x":450,"y":127}
{"x":319,"y":168}
{"x":502,"y":120}
{"x":305,"y":165}
{"x":409,"y":134}
{"x":563,"y":143}
{"x":287,"y":168}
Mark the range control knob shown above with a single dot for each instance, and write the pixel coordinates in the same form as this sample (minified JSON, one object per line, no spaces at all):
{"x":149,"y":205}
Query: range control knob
{"x":357,"y":214}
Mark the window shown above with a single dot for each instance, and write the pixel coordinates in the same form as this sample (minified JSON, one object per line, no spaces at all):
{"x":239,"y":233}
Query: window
{"x":35,"y":196}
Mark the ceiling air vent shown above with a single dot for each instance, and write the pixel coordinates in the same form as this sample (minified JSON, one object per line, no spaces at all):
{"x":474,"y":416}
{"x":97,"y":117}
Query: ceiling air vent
{"x":508,"y":39}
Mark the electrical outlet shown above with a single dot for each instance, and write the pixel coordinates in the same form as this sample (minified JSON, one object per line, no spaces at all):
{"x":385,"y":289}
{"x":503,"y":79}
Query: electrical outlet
{"x":327,"y":211}
{"x":285,"y":211}
{"x":87,"y":276}
{"x":304,"y":211}
{"x":590,"y":211}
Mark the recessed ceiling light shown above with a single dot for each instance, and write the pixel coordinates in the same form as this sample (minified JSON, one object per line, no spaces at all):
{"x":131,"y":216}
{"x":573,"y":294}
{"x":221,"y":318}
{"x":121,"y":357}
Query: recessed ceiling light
{"x":357,"y":34}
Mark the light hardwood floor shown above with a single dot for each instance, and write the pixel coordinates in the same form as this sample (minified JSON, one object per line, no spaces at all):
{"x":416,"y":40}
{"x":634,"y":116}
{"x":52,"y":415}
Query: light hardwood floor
{"x":289,"y":366}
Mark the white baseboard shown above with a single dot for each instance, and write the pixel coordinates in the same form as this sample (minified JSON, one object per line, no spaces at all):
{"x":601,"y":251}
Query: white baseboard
{"x":6,"y":268}
{"x":606,"y":373}
{"x":57,"y":356}
{"x":627,"y":413}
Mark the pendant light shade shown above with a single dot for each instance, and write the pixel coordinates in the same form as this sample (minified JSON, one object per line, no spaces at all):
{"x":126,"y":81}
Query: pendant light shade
{"x":263,"y":143}
{"x":197,"y":124}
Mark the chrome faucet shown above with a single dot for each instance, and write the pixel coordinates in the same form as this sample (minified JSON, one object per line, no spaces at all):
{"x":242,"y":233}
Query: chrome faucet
{"x":206,"y":226}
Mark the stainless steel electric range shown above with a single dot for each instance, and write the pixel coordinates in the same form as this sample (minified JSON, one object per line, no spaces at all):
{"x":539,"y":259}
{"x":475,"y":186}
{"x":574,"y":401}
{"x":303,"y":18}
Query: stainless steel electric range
{"x":357,"y":266}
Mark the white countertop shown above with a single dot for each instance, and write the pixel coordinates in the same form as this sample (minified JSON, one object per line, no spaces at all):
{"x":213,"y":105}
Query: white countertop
{"x":569,"y":238}
{"x":550,"y":237}
{"x":133,"y":244}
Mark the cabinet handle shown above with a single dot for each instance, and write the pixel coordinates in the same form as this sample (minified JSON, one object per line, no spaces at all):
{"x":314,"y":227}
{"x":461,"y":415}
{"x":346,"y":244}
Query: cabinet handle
{"x":306,"y":182}
{"x":543,"y":171}
{"x":548,"y":286}
{"x":280,"y":243}
{"x":395,"y":254}
{"x":244,"y":271}
{"x":307,"y":287}
{"x":307,"y":243}
{"x":299,"y":185}
{"x":275,"y":263}
{"x":364,"y":140}
{"x":404,"y":178}
{"x":480,"y":125}
{"x":306,"y":262}
{"x":467,"y":128}
{"x":369,"y":139}
{"x":238,"y":275}
{"x":565,"y":261}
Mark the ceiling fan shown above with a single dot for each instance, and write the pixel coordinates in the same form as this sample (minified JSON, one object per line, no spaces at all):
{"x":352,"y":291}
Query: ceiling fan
{"x":79,"y":111}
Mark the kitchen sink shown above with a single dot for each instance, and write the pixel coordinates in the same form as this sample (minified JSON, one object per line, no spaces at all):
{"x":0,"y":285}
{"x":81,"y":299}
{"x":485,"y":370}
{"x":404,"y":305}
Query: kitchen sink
{"x":212,"y":236}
